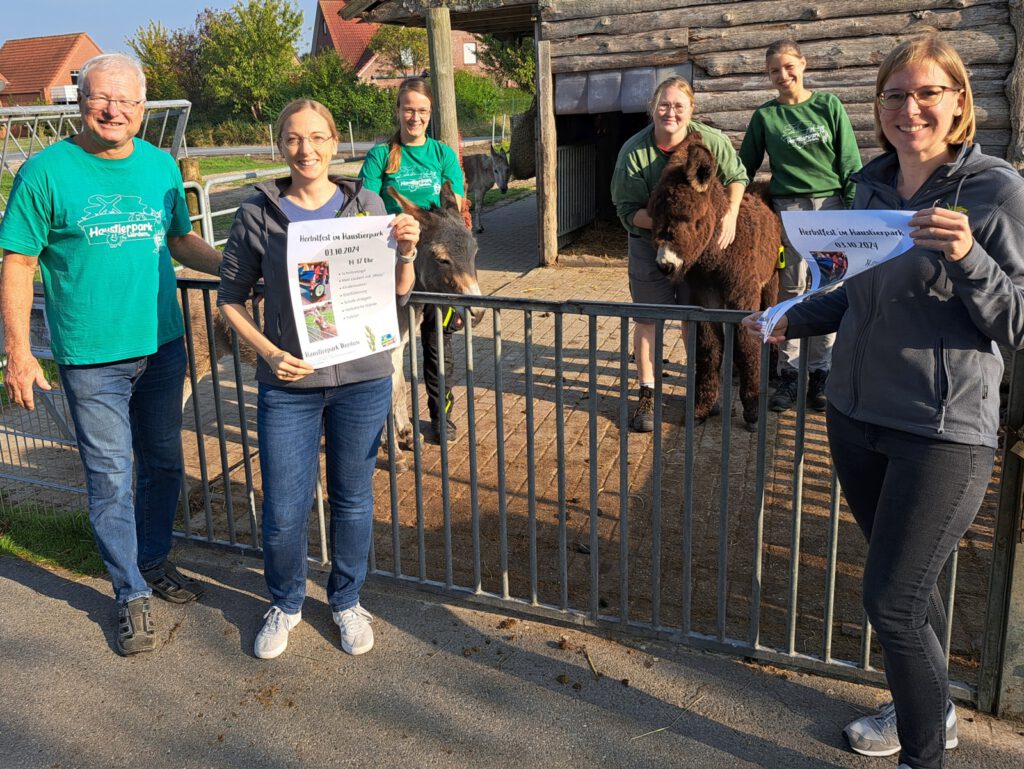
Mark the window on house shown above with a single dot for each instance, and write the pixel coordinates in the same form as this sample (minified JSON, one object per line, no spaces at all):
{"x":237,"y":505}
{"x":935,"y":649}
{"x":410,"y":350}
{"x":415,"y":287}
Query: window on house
{"x":469,"y":53}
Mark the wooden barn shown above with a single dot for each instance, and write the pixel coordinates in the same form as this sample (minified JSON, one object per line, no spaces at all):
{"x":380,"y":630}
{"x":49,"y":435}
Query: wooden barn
{"x":599,"y":60}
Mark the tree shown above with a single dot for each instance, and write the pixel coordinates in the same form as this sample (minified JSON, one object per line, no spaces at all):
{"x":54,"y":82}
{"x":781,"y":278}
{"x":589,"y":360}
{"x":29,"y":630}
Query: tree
{"x":405,"y":49}
{"x":154,"y":47}
{"x":515,"y":61}
{"x":249,"y":52}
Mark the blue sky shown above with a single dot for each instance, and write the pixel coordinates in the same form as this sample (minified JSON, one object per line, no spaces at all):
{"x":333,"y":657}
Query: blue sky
{"x":110,"y":22}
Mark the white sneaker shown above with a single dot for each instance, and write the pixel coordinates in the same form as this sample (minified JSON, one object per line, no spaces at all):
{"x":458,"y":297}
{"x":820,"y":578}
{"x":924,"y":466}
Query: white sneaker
{"x":875,"y":735}
{"x":356,"y":633}
{"x":273,"y":636}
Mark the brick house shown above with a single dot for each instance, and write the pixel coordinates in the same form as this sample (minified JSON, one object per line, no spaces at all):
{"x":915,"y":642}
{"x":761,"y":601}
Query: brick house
{"x":352,"y":38}
{"x":43,"y":69}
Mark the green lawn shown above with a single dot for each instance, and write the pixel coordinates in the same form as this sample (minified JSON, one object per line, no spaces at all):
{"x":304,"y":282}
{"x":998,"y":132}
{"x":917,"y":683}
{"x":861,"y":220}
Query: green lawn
{"x":61,"y":540}
{"x":230,"y":164}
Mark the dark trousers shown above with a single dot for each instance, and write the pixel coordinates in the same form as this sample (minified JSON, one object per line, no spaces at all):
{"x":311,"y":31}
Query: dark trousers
{"x":913,"y":498}
{"x":428,"y":337}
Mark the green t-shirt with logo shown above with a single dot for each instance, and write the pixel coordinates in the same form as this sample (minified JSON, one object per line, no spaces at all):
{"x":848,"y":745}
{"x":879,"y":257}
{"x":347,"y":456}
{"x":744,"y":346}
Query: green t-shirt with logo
{"x":99,"y":228}
{"x":424,"y":169}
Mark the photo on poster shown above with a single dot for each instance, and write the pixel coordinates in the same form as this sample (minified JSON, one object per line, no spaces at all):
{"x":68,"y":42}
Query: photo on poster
{"x":315,"y":282}
{"x":832,"y":266}
{"x":320,"y":322}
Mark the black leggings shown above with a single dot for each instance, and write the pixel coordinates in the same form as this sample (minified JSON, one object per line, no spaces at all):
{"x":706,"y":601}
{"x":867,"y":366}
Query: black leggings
{"x":913,"y":498}
{"x":428,"y":337}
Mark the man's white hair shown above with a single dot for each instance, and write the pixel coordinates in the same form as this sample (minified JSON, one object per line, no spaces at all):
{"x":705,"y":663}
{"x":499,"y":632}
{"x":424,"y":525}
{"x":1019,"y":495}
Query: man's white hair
{"x":118,"y":61}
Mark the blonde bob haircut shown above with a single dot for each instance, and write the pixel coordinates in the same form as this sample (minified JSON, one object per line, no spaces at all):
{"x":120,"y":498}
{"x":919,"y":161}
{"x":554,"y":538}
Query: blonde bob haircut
{"x":297,"y":105}
{"x":670,"y":82}
{"x":922,"y":50}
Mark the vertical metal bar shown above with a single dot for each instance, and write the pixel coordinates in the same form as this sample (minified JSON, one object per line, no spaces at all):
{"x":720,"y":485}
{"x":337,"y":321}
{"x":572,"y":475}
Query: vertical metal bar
{"x":830,"y":569}
{"x":657,"y":458}
{"x":624,"y":494}
{"x":442,"y":424}
{"x":595,"y":600}
{"x":865,"y":644}
{"x":218,"y":406}
{"x":474,"y":479}
{"x":499,"y":428}
{"x":725,"y":392}
{"x":396,"y":527}
{"x":688,"y":473}
{"x":531,"y":471}
{"x":325,"y":557}
{"x":951,"y":570}
{"x":414,"y":380}
{"x":754,"y":633}
{"x":243,"y":428}
{"x":798,"y":489}
{"x":197,"y":414}
{"x":563,"y":559}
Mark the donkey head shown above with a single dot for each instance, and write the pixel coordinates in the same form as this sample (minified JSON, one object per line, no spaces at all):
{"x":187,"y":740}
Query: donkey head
{"x":499,"y":163}
{"x":686,"y":206}
{"x":446,"y":254}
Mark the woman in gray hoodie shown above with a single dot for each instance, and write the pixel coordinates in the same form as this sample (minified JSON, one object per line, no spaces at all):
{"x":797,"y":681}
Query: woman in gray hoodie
{"x":913,"y":396}
{"x":346,"y":403}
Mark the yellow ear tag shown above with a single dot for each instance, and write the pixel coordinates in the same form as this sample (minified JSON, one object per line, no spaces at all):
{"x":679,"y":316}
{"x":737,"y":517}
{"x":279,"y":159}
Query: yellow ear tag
{"x":782,"y":258}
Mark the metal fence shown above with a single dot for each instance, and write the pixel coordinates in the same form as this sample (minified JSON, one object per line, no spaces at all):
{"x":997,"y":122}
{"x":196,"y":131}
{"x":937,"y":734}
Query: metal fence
{"x":706,"y":535}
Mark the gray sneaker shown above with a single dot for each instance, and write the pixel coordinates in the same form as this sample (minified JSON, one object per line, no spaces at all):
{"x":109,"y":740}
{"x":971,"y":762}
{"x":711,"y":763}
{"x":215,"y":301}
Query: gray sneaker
{"x":875,"y":735}
{"x":135,"y":631}
{"x":272,"y":639}
{"x":356,"y":633}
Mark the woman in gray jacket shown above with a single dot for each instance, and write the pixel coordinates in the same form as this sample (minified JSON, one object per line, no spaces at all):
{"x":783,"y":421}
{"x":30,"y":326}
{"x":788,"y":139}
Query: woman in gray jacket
{"x":913,"y":396}
{"x":347,"y":402}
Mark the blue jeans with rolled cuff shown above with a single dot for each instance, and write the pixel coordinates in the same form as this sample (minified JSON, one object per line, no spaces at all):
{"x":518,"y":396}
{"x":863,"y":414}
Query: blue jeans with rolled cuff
{"x":127,"y":416}
{"x":914,"y":498}
{"x":291,"y":422}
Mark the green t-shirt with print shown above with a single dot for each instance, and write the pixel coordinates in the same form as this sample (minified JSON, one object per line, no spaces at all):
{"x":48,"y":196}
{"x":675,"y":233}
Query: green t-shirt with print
{"x":99,"y":228}
{"x":424,"y":169}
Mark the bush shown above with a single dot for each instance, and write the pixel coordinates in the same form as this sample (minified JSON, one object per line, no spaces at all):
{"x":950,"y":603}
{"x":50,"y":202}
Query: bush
{"x":477,"y":98}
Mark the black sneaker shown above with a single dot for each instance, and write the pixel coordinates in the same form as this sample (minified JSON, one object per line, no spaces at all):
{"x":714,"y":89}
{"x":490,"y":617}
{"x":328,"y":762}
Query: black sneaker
{"x":816,"y":390}
{"x":643,"y":417}
{"x":785,"y":394}
{"x":431,"y":432}
{"x":135,"y":628}
{"x":171,"y":585}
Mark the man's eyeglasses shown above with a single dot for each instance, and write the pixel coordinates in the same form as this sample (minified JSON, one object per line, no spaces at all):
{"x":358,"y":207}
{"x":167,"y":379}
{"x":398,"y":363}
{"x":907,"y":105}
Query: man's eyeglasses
{"x":925,"y":96}
{"x":317,"y":140}
{"x":422,"y":114}
{"x":102,"y":102}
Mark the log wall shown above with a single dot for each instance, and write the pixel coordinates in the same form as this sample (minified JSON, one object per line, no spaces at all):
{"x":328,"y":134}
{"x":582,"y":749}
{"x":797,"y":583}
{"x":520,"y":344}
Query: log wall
{"x":843,"y":40}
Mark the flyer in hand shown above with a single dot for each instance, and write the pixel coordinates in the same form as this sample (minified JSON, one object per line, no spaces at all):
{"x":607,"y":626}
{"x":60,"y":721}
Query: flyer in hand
{"x":341,"y":277}
{"x":836,"y":245}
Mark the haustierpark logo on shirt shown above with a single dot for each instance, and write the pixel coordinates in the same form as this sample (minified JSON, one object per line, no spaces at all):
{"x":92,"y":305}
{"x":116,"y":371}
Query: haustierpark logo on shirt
{"x":113,"y":220}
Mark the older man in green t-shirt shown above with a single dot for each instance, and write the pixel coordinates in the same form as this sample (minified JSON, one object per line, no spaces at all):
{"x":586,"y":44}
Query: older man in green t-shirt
{"x":101,"y":214}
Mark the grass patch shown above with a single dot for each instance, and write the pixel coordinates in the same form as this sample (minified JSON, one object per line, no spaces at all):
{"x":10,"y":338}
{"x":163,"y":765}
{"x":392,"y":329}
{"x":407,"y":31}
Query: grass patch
{"x":231,"y":164}
{"x":52,"y":540}
{"x":494,"y":195}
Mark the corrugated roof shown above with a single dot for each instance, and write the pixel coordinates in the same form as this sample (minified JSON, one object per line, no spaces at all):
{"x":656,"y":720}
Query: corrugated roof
{"x":32,"y":64}
{"x":350,"y":38}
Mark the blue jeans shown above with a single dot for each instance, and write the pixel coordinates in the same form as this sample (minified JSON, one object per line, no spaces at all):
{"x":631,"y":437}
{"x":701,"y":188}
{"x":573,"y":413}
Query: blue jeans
{"x":913,"y":498}
{"x":290,"y":423}
{"x":130,"y":407}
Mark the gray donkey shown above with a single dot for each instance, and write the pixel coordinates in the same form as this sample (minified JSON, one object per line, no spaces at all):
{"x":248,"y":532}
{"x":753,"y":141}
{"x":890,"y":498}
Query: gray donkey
{"x":482,"y":173}
{"x":445,"y":263}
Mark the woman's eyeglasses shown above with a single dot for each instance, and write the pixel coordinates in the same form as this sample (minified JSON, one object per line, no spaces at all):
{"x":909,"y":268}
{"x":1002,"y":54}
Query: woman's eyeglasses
{"x":422,"y":114}
{"x":925,"y":96}
{"x":317,"y":140}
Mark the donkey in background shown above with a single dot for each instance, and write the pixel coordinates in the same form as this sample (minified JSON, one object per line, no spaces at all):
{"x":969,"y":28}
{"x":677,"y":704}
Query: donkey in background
{"x":482,"y":173}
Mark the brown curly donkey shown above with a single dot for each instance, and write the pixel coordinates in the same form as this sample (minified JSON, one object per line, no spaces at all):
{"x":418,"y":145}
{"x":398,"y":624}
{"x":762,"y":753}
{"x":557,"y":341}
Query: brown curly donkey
{"x":686,"y":208}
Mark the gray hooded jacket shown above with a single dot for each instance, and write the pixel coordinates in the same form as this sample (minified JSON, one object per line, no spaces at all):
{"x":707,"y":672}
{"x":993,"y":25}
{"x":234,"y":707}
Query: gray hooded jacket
{"x":256,"y":248}
{"x":916,"y":345}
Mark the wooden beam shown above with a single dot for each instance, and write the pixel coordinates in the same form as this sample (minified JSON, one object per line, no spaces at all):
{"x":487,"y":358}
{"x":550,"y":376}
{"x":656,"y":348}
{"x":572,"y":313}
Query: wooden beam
{"x":442,"y":76}
{"x":619,"y":60}
{"x":547,"y":140}
{"x":1015,"y":92}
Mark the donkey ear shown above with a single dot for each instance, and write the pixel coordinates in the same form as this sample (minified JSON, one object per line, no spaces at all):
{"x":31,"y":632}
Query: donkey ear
{"x":448,"y":201}
{"x":408,"y":206}
{"x":700,"y":167}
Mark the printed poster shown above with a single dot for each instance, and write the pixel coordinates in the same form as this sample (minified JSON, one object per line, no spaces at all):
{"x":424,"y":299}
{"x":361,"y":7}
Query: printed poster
{"x":836,"y":245}
{"x":341,"y":276}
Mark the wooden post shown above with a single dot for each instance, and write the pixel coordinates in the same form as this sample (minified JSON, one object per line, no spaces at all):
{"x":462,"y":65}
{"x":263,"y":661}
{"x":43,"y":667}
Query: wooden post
{"x":442,"y":75}
{"x":1015,"y":89}
{"x":190,"y":173}
{"x":547,"y":143}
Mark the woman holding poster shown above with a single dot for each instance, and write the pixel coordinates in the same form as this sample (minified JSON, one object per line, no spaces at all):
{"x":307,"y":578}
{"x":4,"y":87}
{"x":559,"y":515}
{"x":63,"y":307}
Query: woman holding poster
{"x":417,"y":165}
{"x":347,"y":403}
{"x":913,"y":397}
{"x":812,"y":152}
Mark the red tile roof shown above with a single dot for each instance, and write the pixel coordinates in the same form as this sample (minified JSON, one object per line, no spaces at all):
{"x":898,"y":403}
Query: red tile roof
{"x":34,"y":64}
{"x":350,"y":38}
